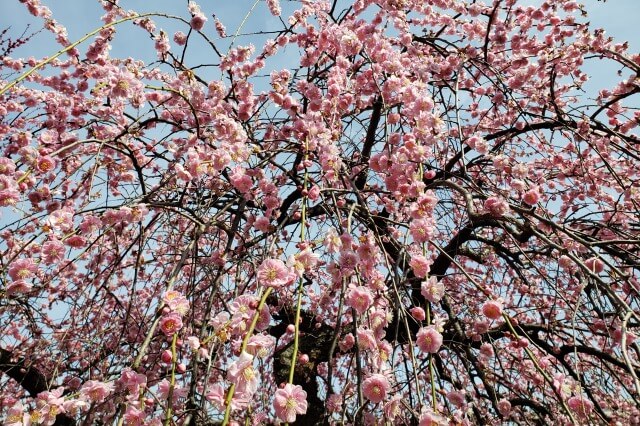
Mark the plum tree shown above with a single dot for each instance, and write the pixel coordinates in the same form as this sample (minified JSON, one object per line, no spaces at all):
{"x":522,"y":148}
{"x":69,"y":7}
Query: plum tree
{"x":431,"y":217}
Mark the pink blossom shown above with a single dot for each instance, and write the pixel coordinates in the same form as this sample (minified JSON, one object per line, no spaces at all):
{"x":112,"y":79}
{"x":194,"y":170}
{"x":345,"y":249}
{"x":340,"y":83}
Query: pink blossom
{"x":378,"y":320}
{"x":504,"y":407}
{"x":176,"y":302}
{"x":305,"y":261}
{"x":334,"y":403}
{"x":594,"y":264}
{"x":76,"y":241}
{"x":492,"y":309}
{"x":349,"y":43}
{"x":580,"y":405}
{"x":16,"y":416}
{"x":332,"y":241}
{"x":133,"y":381}
{"x":216,"y":395}
{"x":618,"y":334}
{"x":170,"y":323}
{"x":359,"y":298}
{"x":198,"y":18}
{"x":181,"y":173}
{"x":366,"y":339}
{"x":74,"y":407}
{"x":166,"y":356}
{"x":124,"y":84}
{"x":429,"y":418}
{"x":260,"y":345}
{"x":7,"y":166}
{"x":478,"y":143}
{"x":424,"y":205}
{"x":61,"y":220}
{"x":7,"y":182}
{"x":49,"y":404}
{"x":481,"y":325}
{"x":133,"y":416}
{"x":314,"y":193}
{"x":392,"y":408}
{"x":45,"y":164}
{"x":53,"y":252}
{"x":566,"y":263}
{"x":421,"y":230}
{"x":486,"y":349}
{"x":95,"y":391}
{"x":241,"y":180}
{"x":274,"y":273}
{"x":289,"y":402}
{"x":198,"y":21}
{"x":420,"y":265}
{"x":39,"y":195}
{"x":241,"y":373}
{"x":375,"y":388}
{"x":22,"y":269}
{"x":496,"y":206}
{"x":456,"y":398}
{"x":348,"y":261}
{"x":19,"y":286}
{"x":193,"y":342}
{"x":28,"y":155}
{"x":243,"y":308}
{"x":180,"y":38}
{"x":347,"y":342}
{"x":9,"y":197}
{"x":429,"y":339}
{"x":162,"y":44}
{"x":90,"y":224}
{"x":432,"y":290}
{"x":179,"y":392}
{"x":417,"y":313}
{"x":274,"y":7}
{"x":532,"y":196}
{"x":262,"y":224}
{"x":220,"y":28}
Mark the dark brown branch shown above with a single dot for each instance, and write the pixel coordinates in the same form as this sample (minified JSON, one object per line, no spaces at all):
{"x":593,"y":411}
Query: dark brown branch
{"x":369,"y":141}
{"x":30,"y":378}
{"x":315,"y":342}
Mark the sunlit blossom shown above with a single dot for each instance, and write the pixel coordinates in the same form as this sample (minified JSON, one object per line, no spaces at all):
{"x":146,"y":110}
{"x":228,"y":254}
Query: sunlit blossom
{"x":289,"y":402}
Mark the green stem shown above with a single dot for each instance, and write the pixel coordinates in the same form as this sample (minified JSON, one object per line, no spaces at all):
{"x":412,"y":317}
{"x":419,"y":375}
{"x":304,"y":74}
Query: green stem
{"x":434,"y":401}
{"x":303,"y":224}
{"x":172,"y":382}
{"x":296,"y":335}
{"x":68,"y":48}
{"x":245,"y":341}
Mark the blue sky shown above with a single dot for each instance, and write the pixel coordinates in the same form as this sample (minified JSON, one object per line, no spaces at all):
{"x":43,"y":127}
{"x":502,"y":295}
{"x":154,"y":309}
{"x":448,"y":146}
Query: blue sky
{"x":82,"y":16}
{"x":617,"y":17}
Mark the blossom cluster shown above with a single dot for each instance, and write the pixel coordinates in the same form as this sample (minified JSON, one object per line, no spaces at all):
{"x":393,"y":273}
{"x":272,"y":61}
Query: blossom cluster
{"x":399,"y":212}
